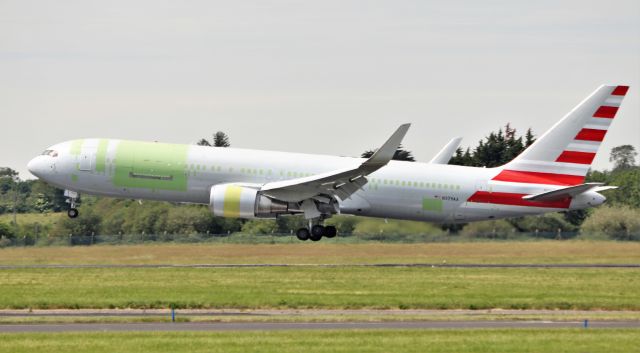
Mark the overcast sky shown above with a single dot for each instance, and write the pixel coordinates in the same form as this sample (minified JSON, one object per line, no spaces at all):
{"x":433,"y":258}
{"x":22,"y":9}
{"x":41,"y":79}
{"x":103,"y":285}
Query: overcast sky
{"x":333,"y":77}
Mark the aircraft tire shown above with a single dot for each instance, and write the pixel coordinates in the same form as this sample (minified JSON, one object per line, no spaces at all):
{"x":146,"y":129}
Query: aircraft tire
{"x":303,"y":234}
{"x":72,"y":213}
{"x":317,"y":231}
{"x":330,"y":231}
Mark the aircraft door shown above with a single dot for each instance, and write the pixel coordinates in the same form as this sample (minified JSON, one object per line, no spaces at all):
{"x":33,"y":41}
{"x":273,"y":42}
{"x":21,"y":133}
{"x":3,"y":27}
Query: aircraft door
{"x":86,"y":159}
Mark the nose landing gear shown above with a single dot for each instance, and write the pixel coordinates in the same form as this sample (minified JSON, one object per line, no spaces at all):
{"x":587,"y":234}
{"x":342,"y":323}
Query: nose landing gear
{"x":72,"y":213}
{"x":72,"y":197}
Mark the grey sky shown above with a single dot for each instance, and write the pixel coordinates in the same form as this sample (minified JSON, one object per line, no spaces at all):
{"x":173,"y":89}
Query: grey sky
{"x":333,"y":77}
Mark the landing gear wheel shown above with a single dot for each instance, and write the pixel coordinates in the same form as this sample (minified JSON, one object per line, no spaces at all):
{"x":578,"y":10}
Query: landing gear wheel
{"x":303,"y":234}
{"x":317,"y":231}
{"x":330,"y":231}
{"x":72,"y":213}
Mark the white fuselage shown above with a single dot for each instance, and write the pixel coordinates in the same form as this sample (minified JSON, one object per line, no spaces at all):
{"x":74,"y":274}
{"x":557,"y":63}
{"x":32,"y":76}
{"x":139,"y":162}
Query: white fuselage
{"x":186,"y":173}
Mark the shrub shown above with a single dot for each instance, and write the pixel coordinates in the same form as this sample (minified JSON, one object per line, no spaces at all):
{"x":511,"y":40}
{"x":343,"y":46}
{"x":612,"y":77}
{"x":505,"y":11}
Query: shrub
{"x":260,"y":226}
{"x":379,"y":229}
{"x":6,"y":231}
{"x":549,"y":222}
{"x":344,"y":224}
{"x":498,"y":229}
{"x":4,"y":242}
{"x":88,"y":222}
{"x":615,"y":222}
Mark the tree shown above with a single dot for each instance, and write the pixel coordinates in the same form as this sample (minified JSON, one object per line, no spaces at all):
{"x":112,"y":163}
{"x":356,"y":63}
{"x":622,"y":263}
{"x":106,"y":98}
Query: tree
{"x":220,"y":139}
{"x":203,"y":142}
{"x":529,"y":138}
{"x":623,"y":157}
{"x":6,"y":172}
{"x":399,"y":155}
{"x":461,"y":158}
{"x":495,"y":150}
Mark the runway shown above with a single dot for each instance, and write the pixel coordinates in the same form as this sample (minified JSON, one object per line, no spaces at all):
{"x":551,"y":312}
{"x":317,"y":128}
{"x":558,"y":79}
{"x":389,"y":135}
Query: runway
{"x":427,"y":265}
{"x":271,"y":326}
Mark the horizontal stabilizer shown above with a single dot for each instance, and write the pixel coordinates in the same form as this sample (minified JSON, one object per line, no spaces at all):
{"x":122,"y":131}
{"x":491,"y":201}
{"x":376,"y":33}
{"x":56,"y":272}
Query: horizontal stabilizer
{"x":570,"y":191}
{"x":444,"y":156}
{"x":604,"y":188}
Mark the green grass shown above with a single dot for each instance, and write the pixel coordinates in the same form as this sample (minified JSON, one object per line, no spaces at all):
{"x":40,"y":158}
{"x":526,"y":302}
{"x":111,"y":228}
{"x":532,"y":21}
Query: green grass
{"x":352,"y":341}
{"x":310,"y":287}
{"x":42,"y":218}
{"x":538,"y":252}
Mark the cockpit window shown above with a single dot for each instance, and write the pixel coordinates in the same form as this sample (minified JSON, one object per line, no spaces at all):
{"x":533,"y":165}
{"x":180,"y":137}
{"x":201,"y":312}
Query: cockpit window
{"x":51,"y":153}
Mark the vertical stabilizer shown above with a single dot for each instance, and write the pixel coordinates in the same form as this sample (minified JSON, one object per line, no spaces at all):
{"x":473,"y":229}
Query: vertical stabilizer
{"x":563,"y":154}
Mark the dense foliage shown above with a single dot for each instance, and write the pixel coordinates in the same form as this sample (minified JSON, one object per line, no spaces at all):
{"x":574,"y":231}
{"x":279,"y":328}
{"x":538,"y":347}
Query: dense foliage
{"x":399,"y":155}
{"x":495,"y":150}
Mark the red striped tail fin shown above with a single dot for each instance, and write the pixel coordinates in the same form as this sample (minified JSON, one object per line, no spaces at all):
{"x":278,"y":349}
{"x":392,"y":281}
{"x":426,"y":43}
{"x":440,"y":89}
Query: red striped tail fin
{"x":563,"y":154}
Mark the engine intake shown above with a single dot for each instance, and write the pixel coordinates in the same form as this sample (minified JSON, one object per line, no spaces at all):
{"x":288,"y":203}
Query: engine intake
{"x":236,"y":201}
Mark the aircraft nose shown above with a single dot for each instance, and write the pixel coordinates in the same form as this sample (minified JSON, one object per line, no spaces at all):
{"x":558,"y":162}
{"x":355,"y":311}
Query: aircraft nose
{"x":36,"y":166}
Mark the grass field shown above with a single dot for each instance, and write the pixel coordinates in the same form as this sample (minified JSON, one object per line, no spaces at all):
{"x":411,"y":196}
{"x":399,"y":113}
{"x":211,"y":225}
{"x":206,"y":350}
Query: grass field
{"x":539,"y":252}
{"x":319,"y":287}
{"x":42,"y":218}
{"x":406,"y":341}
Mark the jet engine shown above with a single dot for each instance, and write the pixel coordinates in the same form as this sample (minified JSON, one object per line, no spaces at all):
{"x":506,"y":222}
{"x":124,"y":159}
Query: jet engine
{"x":239,"y":201}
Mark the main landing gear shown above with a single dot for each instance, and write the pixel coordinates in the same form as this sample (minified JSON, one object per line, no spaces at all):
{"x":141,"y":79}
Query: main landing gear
{"x":72,"y":197}
{"x":316,"y":232}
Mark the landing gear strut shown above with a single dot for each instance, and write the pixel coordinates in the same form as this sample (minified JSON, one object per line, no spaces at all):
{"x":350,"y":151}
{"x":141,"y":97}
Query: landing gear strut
{"x":72,"y":197}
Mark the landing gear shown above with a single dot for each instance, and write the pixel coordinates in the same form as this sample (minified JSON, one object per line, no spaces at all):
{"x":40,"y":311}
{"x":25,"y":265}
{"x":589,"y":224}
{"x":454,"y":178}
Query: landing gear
{"x":72,"y":197}
{"x":303,"y":234}
{"x":72,"y":213}
{"x":316,"y":233}
{"x":330,"y":231}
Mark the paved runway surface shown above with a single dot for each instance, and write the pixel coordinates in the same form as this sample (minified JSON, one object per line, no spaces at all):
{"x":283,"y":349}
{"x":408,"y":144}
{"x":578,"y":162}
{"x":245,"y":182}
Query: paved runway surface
{"x":9,"y":267}
{"x":264,"y":326}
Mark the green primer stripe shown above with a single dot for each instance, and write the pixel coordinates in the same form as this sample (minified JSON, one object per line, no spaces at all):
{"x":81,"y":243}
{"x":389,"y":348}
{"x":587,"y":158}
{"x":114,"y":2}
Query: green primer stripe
{"x":167,"y":161}
{"x":76,"y":147}
{"x":429,"y":204}
{"x":231,"y":205}
{"x":101,"y":155}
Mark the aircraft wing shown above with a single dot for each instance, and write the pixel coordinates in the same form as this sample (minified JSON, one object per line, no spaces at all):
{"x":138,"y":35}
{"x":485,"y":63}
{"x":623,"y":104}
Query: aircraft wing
{"x":446,"y":152}
{"x":570,"y":191}
{"x":341,"y":183}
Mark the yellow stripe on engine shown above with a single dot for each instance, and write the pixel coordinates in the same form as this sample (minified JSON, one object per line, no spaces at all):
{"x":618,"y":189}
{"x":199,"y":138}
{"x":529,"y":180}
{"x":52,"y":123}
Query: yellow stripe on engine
{"x":231,"y":204}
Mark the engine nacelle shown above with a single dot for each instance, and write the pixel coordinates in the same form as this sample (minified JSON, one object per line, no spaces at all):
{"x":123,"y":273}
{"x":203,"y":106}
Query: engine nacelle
{"x":237,"y":201}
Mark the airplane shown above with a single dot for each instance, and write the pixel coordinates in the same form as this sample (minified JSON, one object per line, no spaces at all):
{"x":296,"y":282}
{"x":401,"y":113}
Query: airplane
{"x":546,"y":177}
